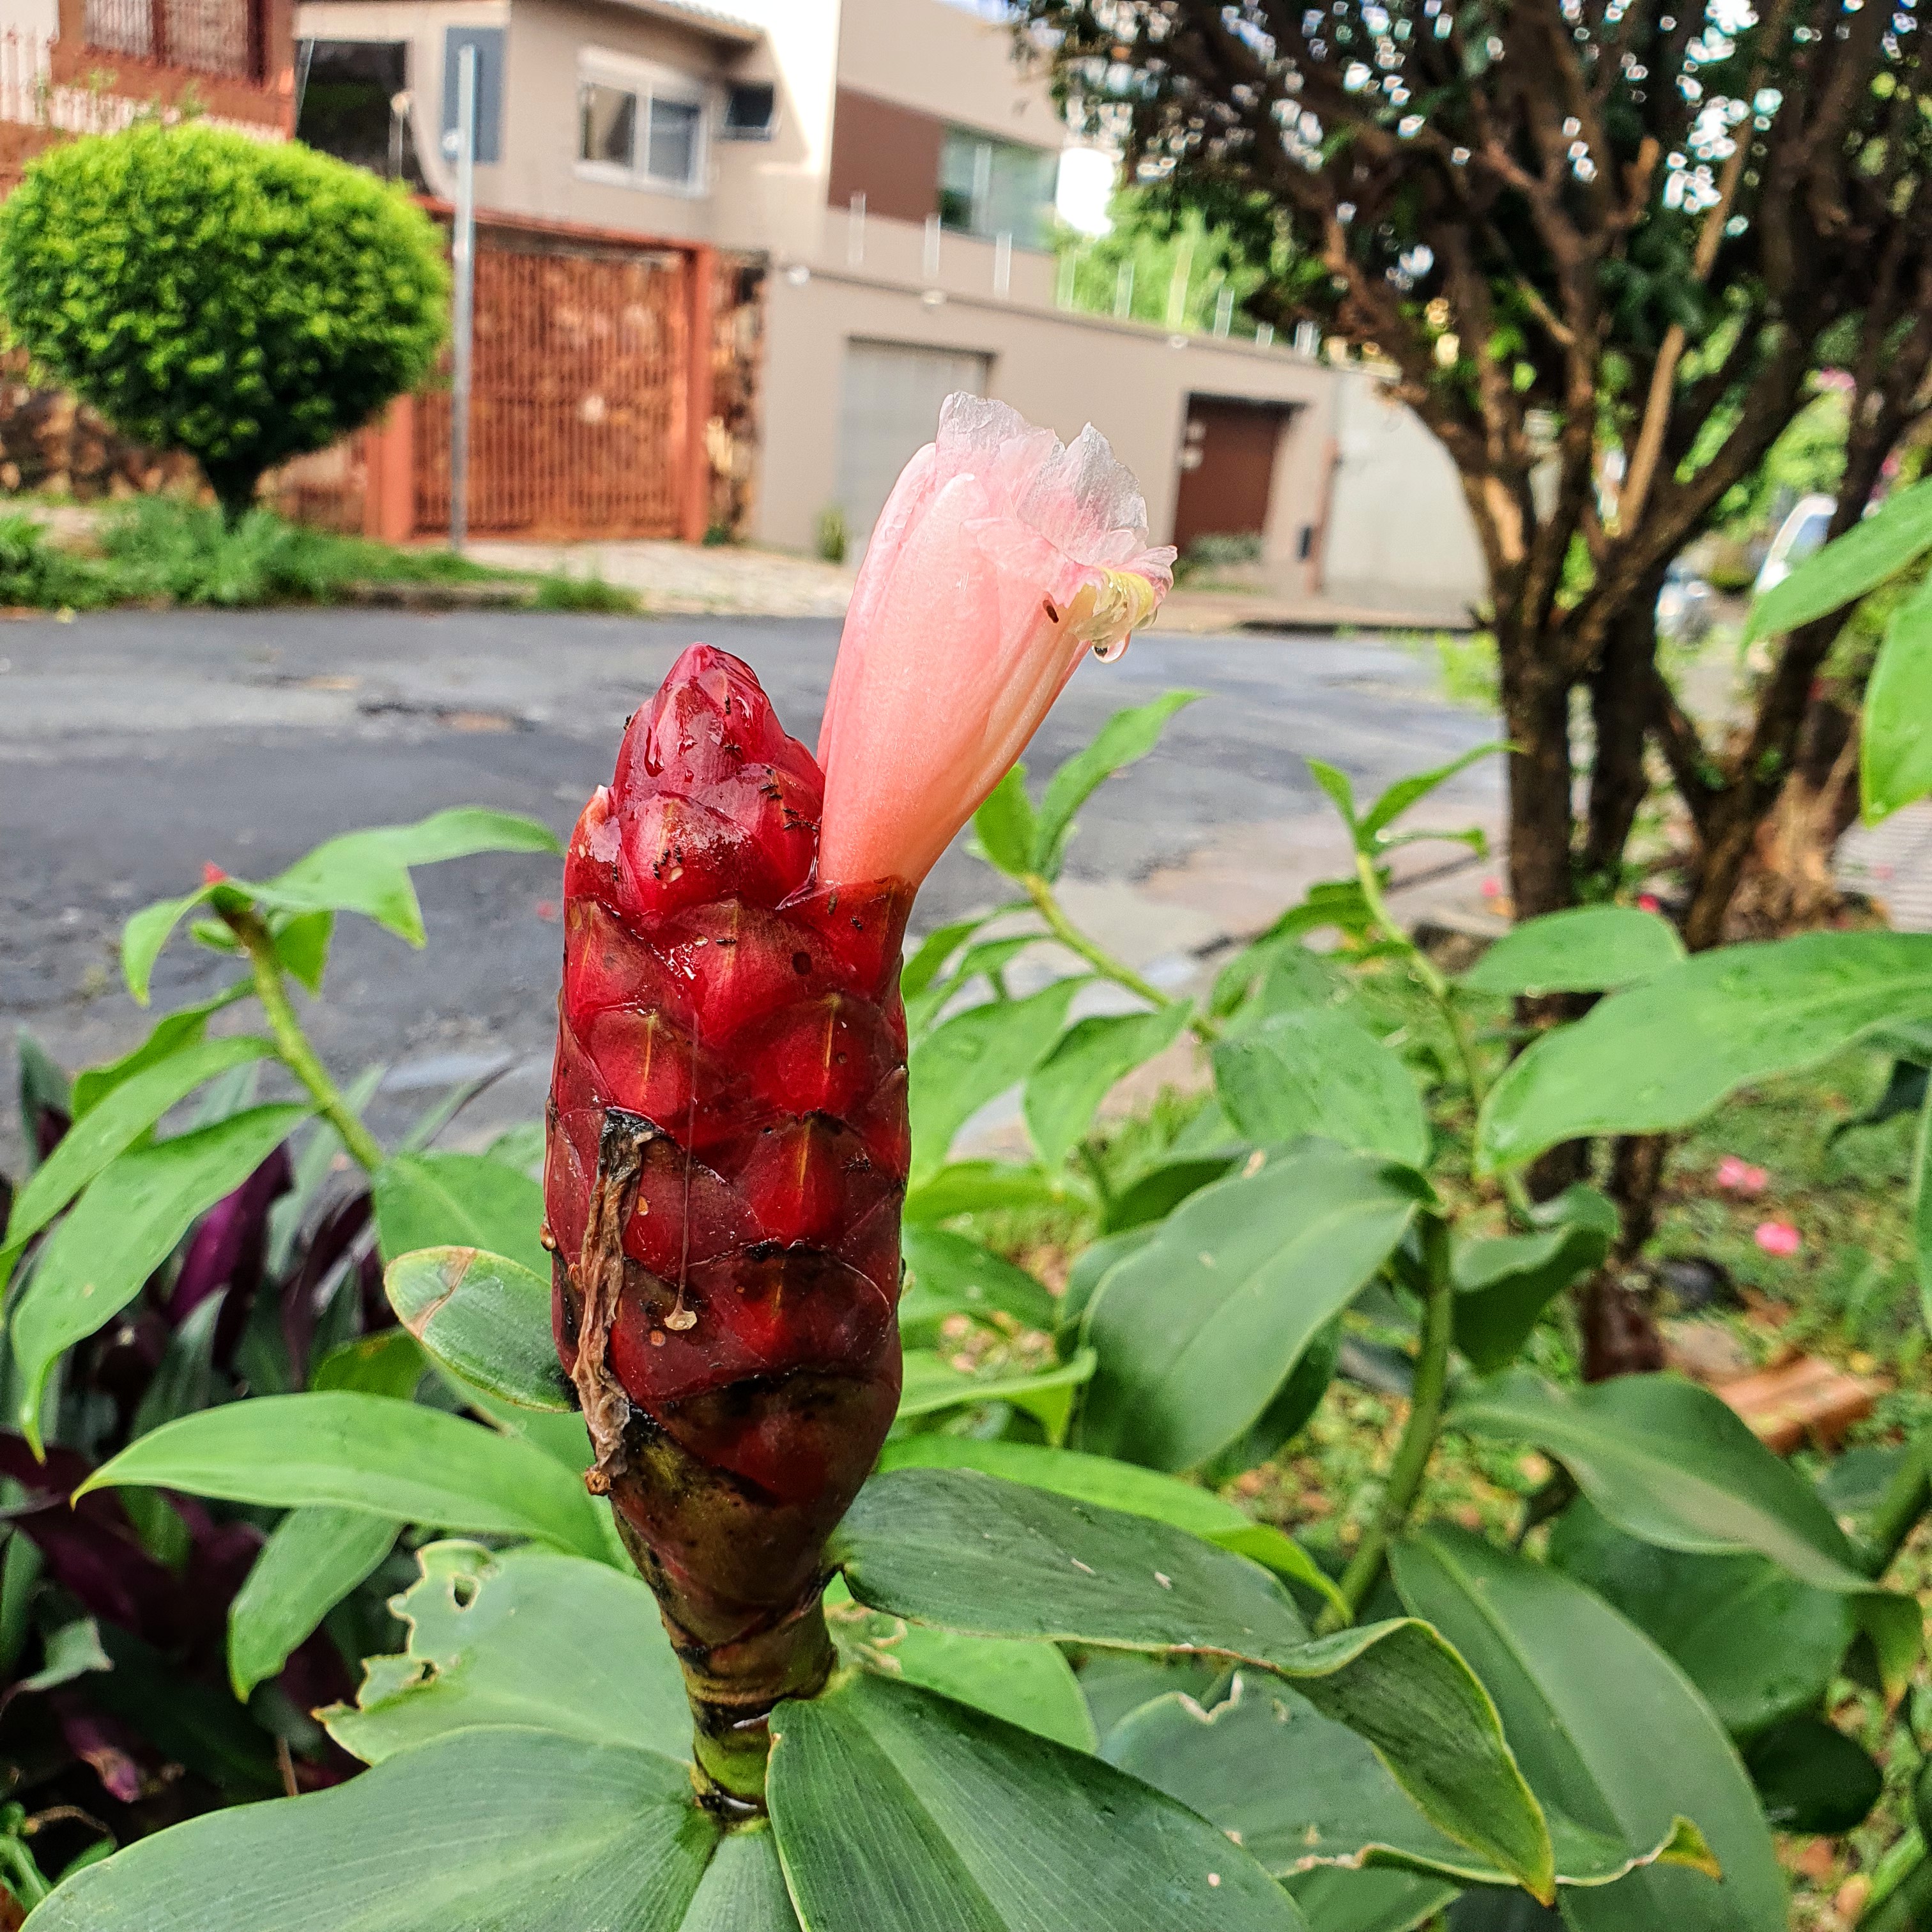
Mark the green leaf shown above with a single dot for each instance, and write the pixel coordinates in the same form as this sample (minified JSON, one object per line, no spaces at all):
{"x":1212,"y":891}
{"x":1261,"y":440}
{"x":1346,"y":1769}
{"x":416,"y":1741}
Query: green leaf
{"x":1505,"y":1281}
{"x":1127,"y":737}
{"x":974,"y":1057}
{"x":147,"y":931}
{"x":368,"y":871}
{"x":1333,"y":1899}
{"x":932,"y":1385}
{"x":968,"y":1552}
{"x":301,"y":944}
{"x":1860,"y":560}
{"x":1197,"y":1330}
{"x":973,"y":1186}
{"x":1667,"y":1461}
{"x":1299,"y":1791}
{"x":171,"y":1034}
{"x":1005,"y":827}
{"x":1340,"y":790}
{"x":122,"y":1230}
{"x":1021,"y":1682}
{"x":485,"y":1319}
{"x":521,"y":1636}
{"x":1758,"y":1644}
{"x":1406,"y":792}
{"x":71,"y":1651}
{"x":1921,"y":1206}
{"x":482,"y":1832}
{"x":896,"y":1810}
{"x":116,"y":1118}
{"x":1090,"y":1267}
{"x":934,"y":950}
{"x":988,"y":960}
{"x":313,"y":1559}
{"x":460,"y":1200}
{"x":1662,"y":1053}
{"x":1315,"y":1070}
{"x":1895,"y":733}
{"x":948,"y":1269}
{"x":1588,"y":950}
{"x":366,"y":1452}
{"x":1064,"y":1091}
{"x":1116,"y":1485}
{"x":389,"y":1362}
{"x":1607,"y":1728}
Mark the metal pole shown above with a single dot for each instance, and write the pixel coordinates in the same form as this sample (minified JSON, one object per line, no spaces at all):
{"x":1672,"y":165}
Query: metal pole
{"x":464,"y":250}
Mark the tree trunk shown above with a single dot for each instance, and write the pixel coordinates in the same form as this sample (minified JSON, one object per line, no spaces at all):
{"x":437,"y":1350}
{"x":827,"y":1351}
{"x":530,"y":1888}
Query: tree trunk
{"x":1620,"y":711}
{"x":1787,"y":885}
{"x":1536,"y":714}
{"x":234,"y":484}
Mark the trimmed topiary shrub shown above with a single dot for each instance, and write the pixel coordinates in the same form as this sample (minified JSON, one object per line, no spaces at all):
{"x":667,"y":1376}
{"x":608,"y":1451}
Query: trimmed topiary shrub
{"x":245,"y":301}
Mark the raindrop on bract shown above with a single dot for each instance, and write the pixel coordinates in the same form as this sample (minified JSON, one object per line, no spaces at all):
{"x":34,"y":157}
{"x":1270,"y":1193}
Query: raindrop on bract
{"x":1112,"y":653}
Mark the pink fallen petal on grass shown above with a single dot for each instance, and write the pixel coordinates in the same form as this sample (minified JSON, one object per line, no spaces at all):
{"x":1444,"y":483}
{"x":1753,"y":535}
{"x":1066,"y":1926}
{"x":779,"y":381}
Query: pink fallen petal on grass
{"x":1649,"y":902}
{"x":1778,"y":1238}
{"x":1739,"y":1177}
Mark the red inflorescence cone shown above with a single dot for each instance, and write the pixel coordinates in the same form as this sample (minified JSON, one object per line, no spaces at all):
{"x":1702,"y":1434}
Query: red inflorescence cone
{"x":727,"y":1153}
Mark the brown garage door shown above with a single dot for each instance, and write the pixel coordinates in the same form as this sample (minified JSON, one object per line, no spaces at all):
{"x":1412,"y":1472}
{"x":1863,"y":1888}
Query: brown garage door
{"x":1227,"y":468}
{"x":576,"y":422}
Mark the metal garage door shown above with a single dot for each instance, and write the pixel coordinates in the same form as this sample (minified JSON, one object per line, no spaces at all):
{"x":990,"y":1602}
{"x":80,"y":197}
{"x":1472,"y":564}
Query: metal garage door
{"x":889,"y":406}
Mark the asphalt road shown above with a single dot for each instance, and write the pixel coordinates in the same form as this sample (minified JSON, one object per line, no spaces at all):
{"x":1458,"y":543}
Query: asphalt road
{"x":137,"y":746}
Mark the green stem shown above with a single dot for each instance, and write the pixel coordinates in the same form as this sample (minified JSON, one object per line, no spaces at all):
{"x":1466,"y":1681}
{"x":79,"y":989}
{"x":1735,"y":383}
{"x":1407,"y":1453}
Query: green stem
{"x":1444,"y":995}
{"x":1907,"y":1498}
{"x":1103,"y":962}
{"x":292,"y":1043}
{"x":1419,"y":1433}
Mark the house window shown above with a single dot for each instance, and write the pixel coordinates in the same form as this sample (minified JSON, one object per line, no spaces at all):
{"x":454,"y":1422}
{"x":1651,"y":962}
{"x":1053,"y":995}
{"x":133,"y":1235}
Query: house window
{"x":643,"y":125}
{"x":990,"y":187}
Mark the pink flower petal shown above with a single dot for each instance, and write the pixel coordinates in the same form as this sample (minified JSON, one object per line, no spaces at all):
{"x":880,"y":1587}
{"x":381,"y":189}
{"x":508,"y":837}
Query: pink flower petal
{"x":1778,"y":1238}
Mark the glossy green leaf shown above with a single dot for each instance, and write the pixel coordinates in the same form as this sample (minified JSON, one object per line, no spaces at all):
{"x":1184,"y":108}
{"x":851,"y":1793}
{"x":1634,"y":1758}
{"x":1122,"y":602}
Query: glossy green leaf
{"x":1127,"y":737}
{"x":1411,"y":790}
{"x":391,"y":1362}
{"x":949,"y":1268}
{"x":460,"y":1200}
{"x":1878,"y":547}
{"x":1091,"y":1267}
{"x":1154,"y":1193}
{"x":1588,"y":1702}
{"x":70,"y":1651}
{"x":1381,"y":1899}
{"x":1505,"y":1281}
{"x":521,"y":1636}
{"x":1005,"y":827}
{"x":1759,"y":1645}
{"x":122,"y":1229}
{"x":1300,"y":1791}
{"x":502,"y":1830}
{"x":1064,"y":1091}
{"x":1116,"y":1485}
{"x":1316,"y":1070}
{"x":1812,"y":1777}
{"x":312,"y":1560}
{"x":1660,"y":1054}
{"x":147,"y":931}
{"x":929,"y":959}
{"x":974,"y":1057}
{"x":171,"y":1034}
{"x":1289,"y":1412}
{"x":1340,"y":789}
{"x":301,"y":944}
{"x":896,"y":1810}
{"x":974,"y":1186}
{"x":987,"y":959}
{"x":1025,"y":1683}
{"x":1895,"y":731}
{"x":932,"y":1385}
{"x":117,"y":1118}
{"x":485,"y":1318}
{"x":1588,"y":950}
{"x":967,"y":1552}
{"x":1666,"y":1461}
{"x":367,"y":1452}
{"x":1197,"y":1330}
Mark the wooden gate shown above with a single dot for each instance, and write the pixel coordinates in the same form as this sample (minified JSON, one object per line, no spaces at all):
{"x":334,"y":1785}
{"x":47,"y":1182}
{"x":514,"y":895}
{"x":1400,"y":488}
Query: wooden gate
{"x":585,"y":417}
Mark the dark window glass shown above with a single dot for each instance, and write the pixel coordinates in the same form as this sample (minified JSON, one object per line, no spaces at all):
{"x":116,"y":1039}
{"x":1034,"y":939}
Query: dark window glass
{"x":609,"y":124}
{"x":673,"y":150}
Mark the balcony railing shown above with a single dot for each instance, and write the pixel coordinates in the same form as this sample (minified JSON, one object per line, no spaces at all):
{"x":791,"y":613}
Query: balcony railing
{"x":221,"y":38}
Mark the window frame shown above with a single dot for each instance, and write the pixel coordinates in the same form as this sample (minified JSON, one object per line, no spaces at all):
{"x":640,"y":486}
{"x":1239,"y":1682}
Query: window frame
{"x":646,"y":80}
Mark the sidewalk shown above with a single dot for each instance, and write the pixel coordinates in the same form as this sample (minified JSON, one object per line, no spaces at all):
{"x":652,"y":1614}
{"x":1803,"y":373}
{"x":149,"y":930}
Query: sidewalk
{"x":679,"y":579}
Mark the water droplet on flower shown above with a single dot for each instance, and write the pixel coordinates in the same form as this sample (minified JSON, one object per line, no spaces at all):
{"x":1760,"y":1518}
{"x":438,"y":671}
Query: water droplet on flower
{"x":1112,"y":653}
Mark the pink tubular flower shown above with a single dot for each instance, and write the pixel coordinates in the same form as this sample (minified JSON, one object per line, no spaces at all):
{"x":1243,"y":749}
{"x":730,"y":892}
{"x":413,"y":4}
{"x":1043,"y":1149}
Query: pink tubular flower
{"x":1778,"y":1238}
{"x":1001,"y":558}
{"x":1739,"y":1177}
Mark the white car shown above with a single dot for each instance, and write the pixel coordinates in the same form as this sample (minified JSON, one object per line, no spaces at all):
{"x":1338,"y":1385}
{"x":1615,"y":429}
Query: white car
{"x":1798,"y":536}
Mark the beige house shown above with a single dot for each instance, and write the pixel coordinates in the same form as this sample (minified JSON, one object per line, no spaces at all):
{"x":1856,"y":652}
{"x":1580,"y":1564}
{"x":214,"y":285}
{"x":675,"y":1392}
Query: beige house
{"x":897,"y":172}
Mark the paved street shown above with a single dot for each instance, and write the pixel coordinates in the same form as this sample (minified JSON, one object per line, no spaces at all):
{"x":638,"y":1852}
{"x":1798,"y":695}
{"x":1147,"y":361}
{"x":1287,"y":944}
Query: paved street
{"x":136,"y":746}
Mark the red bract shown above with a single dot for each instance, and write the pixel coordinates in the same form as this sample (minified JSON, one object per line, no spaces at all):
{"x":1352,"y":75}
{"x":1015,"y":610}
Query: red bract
{"x":727,"y":1153}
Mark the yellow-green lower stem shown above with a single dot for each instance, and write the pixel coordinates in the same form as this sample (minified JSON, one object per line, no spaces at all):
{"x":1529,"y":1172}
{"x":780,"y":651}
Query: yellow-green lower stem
{"x":1040,"y":891}
{"x":292,"y":1043}
{"x":1418,"y":1436}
